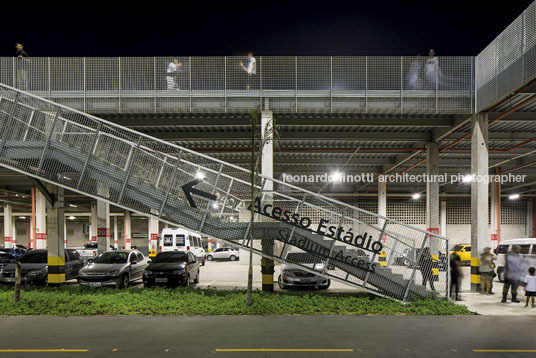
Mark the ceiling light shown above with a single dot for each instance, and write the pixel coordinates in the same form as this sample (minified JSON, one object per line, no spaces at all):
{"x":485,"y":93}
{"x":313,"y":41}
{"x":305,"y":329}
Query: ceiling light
{"x":416,"y":196}
{"x":513,"y":196}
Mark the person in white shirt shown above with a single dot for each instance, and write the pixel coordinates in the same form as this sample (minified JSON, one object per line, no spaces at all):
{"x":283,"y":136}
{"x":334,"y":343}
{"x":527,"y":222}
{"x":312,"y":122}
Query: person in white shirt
{"x":172,"y":74}
{"x":530,"y":286}
{"x":433,"y":73}
{"x":251,"y":70}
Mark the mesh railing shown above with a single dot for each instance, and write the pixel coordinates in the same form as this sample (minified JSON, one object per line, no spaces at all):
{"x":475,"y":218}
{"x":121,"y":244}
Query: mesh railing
{"x":428,"y":85}
{"x":509,"y":61}
{"x":146,"y":175}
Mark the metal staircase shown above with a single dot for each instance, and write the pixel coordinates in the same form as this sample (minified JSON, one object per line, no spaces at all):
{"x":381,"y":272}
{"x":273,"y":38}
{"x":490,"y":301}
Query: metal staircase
{"x":108,"y":162}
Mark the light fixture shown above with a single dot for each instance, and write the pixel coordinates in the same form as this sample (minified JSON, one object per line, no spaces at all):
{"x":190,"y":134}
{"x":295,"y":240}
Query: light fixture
{"x":73,"y":206}
{"x":66,"y":177}
{"x":215,"y":206}
{"x":72,"y":217}
{"x":199,"y":175}
{"x":22,"y":217}
{"x":513,"y":196}
{"x":231,"y":218}
{"x":336,"y":176}
{"x":416,"y":196}
{"x":467,"y":178}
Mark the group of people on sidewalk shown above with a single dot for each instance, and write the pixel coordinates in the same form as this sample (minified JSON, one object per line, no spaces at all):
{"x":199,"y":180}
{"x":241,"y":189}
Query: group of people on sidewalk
{"x":516,"y":274}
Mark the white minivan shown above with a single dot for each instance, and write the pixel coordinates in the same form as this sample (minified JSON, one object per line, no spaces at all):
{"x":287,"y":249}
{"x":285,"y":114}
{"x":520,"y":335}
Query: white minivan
{"x":182,"y":240}
{"x":528,"y":252}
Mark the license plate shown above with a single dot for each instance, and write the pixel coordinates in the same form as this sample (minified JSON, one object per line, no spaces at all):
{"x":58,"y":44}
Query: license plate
{"x":95,"y":284}
{"x":160,"y":280}
{"x":9,"y":279}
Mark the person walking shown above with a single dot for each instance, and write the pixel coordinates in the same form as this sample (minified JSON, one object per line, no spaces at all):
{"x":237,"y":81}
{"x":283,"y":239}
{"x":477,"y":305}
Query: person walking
{"x":426,"y":264}
{"x":486,"y":270}
{"x":251,"y":70}
{"x":23,"y":63}
{"x":456,"y":274}
{"x":513,"y":273}
{"x":530,"y":287}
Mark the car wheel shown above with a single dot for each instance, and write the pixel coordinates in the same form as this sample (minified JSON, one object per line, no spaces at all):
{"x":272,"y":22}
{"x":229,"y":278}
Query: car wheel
{"x":501,"y":275}
{"x":232,"y":258}
{"x":197,"y":277}
{"x":281,"y":284}
{"x":187,"y":281}
{"x":124,"y":281}
{"x":210,"y":258}
{"x":326,"y":286}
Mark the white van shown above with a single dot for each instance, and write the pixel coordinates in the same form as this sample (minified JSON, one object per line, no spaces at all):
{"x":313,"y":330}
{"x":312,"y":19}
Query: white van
{"x":528,"y":251}
{"x":182,"y":240}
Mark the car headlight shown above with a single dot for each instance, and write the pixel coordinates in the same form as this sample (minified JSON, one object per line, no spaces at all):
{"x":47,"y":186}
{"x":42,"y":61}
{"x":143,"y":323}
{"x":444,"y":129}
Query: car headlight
{"x":35,"y":273}
{"x":114,"y":272}
{"x":178,"y":272}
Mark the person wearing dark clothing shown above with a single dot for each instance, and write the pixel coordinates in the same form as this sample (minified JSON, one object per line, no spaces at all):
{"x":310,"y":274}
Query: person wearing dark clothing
{"x":22,"y":67}
{"x":514,"y":273}
{"x":456,"y":274}
{"x":426,"y":264}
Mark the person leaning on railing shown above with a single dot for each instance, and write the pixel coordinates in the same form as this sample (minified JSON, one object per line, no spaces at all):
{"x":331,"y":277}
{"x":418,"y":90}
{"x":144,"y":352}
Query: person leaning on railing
{"x":251,"y":70}
{"x":172,"y":74}
{"x":23,"y":63}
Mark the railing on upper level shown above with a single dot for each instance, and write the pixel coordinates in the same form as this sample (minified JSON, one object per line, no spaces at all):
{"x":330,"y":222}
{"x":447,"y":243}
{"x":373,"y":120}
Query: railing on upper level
{"x":421,"y":85}
{"x":508,"y":62}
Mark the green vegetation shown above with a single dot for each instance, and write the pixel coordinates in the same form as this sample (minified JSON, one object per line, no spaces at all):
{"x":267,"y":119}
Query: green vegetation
{"x":75,"y":300}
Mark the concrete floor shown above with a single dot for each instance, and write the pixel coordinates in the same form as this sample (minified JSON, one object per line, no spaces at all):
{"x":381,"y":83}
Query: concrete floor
{"x":238,"y":336}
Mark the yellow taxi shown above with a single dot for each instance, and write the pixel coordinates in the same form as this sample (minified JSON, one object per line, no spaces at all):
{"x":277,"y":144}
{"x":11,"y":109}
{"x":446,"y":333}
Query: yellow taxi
{"x":464,"y":251}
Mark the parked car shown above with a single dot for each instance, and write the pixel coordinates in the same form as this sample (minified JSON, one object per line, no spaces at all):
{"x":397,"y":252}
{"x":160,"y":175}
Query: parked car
{"x":223,"y":253}
{"x":293,"y":275}
{"x":464,"y":251}
{"x":89,"y":250}
{"x":528,"y":252}
{"x":16,"y":251}
{"x":34,"y":267}
{"x":113,"y":268}
{"x":6,"y":258}
{"x":172,"y":269}
{"x":182,"y":240}
{"x":410,"y":258}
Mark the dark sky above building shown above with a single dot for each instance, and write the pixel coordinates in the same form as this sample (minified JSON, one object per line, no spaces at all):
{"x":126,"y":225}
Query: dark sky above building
{"x":291,"y":27}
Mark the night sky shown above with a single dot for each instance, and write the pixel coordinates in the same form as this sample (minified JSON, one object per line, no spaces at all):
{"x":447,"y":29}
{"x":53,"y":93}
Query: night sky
{"x":291,"y":27}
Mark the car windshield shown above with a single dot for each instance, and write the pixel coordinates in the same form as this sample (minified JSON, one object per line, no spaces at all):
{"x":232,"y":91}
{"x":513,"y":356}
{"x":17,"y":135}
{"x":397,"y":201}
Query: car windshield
{"x":91,"y":245}
{"x":34,"y":258}
{"x":303,"y":257}
{"x":112,"y":258}
{"x":457,"y":248}
{"x":171,"y":257}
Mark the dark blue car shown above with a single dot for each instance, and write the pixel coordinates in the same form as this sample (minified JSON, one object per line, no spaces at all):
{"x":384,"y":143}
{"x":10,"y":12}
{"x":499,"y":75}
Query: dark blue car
{"x":6,"y":258}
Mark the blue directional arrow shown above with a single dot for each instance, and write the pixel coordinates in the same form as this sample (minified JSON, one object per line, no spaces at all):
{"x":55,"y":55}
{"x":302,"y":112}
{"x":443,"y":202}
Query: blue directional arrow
{"x":189,"y":190}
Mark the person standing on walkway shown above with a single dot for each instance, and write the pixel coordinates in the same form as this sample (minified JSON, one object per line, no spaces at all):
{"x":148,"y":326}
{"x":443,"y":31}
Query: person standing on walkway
{"x":22,"y":66}
{"x":513,"y":273}
{"x":530,"y":286}
{"x":251,"y":70}
{"x":456,"y":274}
{"x":425,"y":264}
{"x":486,"y":270}
{"x":172,"y":74}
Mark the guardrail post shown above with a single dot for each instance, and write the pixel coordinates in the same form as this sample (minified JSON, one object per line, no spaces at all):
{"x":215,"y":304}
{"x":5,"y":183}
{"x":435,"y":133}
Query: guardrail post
{"x":190,"y":81}
{"x":226,"y":197}
{"x":415,"y":264}
{"x":14,"y":70}
{"x":366,"y":84}
{"x":225,"y":84}
{"x":331,"y":84}
{"x":119,"y":82}
{"x":401,"y":83}
{"x":84,"y":83}
{"x":48,"y":79}
{"x":93,"y":148}
{"x":154,"y":85}
{"x":128,"y":168}
{"x":47,"y":143}
{"x":208,"y":203}
{"x":296,"y":80}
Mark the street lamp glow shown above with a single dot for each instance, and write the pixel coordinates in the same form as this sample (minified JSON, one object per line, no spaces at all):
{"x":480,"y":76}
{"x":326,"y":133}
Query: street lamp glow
{"x":200,"y":175}
{"x":416,"y":196}
{"x":467,"y":178}
{"x":513,"y":197}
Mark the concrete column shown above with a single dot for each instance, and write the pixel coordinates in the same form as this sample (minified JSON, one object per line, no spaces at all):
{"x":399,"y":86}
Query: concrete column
{"x":127,"y":234}
{"x":93,"y":223}
{"x":382,"y":199}
{"x":209,"y":244}
{"x":14,"y":231}
{"x":40,"y":221}
{"x":116,"y":234}
{"x":480,"y":237}
{"x":218,"y":244}
{"x":267,"y":169}
{"x":103,"y":226}
{"x":495,"y":230}
{"x":432,"y":190}
{"x":64,"y":232}
{"x":8,"y":226}
{"x":443,"y":221}
{"x":529,"y":227}
{"x":153,"y":236}
{"x":55,"y":236}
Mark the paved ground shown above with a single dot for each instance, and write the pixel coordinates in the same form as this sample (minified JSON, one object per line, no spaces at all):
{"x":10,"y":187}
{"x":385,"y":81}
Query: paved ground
{"x":362,"y":336}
